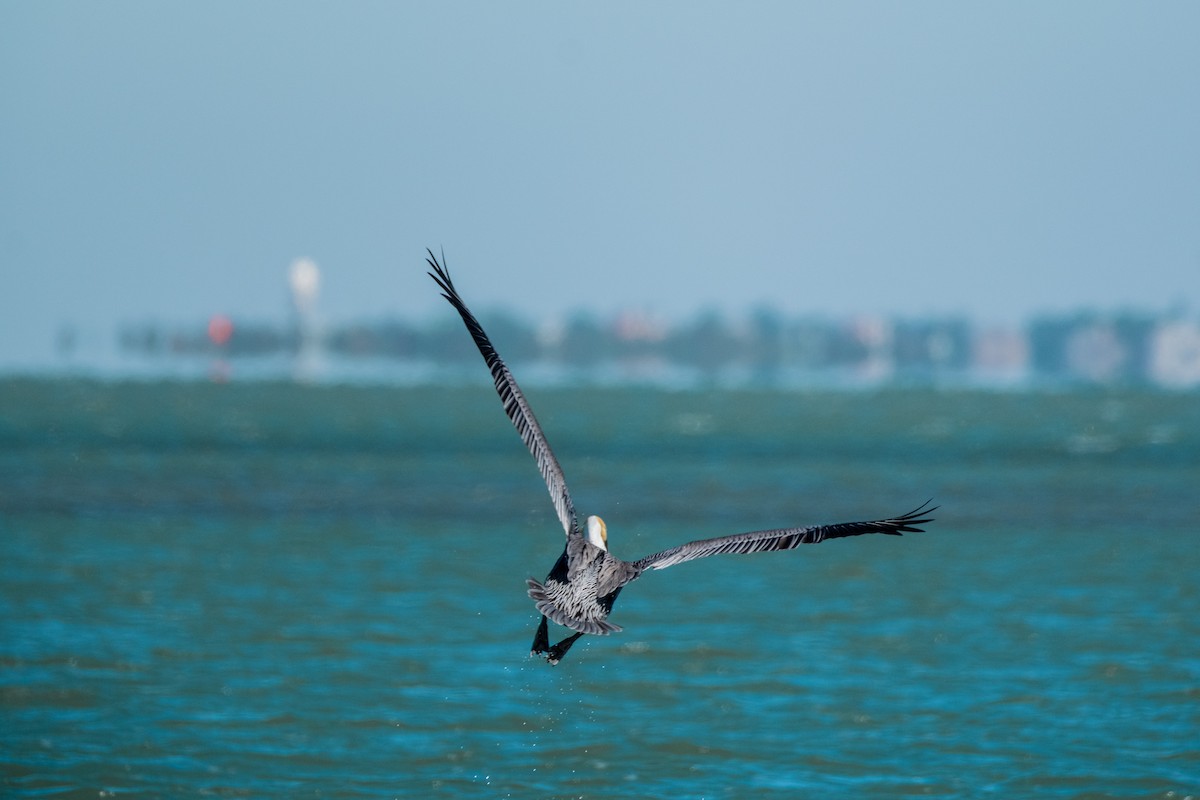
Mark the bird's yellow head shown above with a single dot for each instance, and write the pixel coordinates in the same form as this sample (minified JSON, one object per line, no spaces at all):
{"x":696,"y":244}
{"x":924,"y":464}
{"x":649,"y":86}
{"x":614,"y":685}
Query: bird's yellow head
{"x":597,"y":532}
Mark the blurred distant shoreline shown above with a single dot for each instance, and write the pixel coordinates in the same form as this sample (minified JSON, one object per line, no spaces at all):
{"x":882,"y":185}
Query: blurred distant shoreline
{"x":761,"y":349}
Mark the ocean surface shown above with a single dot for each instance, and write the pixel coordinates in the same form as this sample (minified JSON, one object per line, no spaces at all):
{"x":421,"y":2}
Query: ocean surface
{"x":267,"y":589}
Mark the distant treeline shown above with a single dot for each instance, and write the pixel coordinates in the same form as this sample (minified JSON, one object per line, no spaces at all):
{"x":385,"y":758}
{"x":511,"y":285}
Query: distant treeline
{"x":1093,"y":347}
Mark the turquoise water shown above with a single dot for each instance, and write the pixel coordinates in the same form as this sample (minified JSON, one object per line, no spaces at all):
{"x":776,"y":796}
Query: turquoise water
{"x":271,"y":590}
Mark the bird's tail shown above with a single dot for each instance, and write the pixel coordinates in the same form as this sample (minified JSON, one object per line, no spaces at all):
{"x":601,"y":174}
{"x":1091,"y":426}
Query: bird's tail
{"x":546,"y":605}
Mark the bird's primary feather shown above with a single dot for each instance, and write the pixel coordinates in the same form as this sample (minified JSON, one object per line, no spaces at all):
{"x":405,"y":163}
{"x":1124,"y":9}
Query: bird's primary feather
{"x":515,"y":405}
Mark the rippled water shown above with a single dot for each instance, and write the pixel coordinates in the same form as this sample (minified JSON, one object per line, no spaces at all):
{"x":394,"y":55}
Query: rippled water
{"x":275,"y":590}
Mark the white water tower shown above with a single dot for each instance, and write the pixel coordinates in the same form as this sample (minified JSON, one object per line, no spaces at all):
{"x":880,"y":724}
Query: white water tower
{"x":304,"y":280}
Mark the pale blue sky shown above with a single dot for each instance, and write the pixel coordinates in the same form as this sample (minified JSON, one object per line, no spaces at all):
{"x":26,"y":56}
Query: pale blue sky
{"x":165,"y":161}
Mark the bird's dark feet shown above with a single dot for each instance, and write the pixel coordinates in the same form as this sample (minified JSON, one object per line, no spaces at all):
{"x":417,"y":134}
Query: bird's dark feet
{"x":541,"y":644}
{"x":541,"y":640}
{"x":559,"y":651}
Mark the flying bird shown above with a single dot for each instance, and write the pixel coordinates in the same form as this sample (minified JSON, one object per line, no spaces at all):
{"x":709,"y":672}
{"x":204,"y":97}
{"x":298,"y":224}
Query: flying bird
{"x":581,"y":588}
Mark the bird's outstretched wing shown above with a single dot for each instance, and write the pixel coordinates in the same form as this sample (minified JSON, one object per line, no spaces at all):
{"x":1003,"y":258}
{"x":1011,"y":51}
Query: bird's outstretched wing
{"x":515,"y":405}
{"x":784,"y":538}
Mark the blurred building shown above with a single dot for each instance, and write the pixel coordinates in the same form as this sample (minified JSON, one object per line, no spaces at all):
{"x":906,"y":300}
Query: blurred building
{"x":1175,"y":354}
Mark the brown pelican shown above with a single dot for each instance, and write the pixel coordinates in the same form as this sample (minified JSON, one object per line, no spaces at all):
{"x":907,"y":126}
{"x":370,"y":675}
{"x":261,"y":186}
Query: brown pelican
{"x":580,"y":590}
